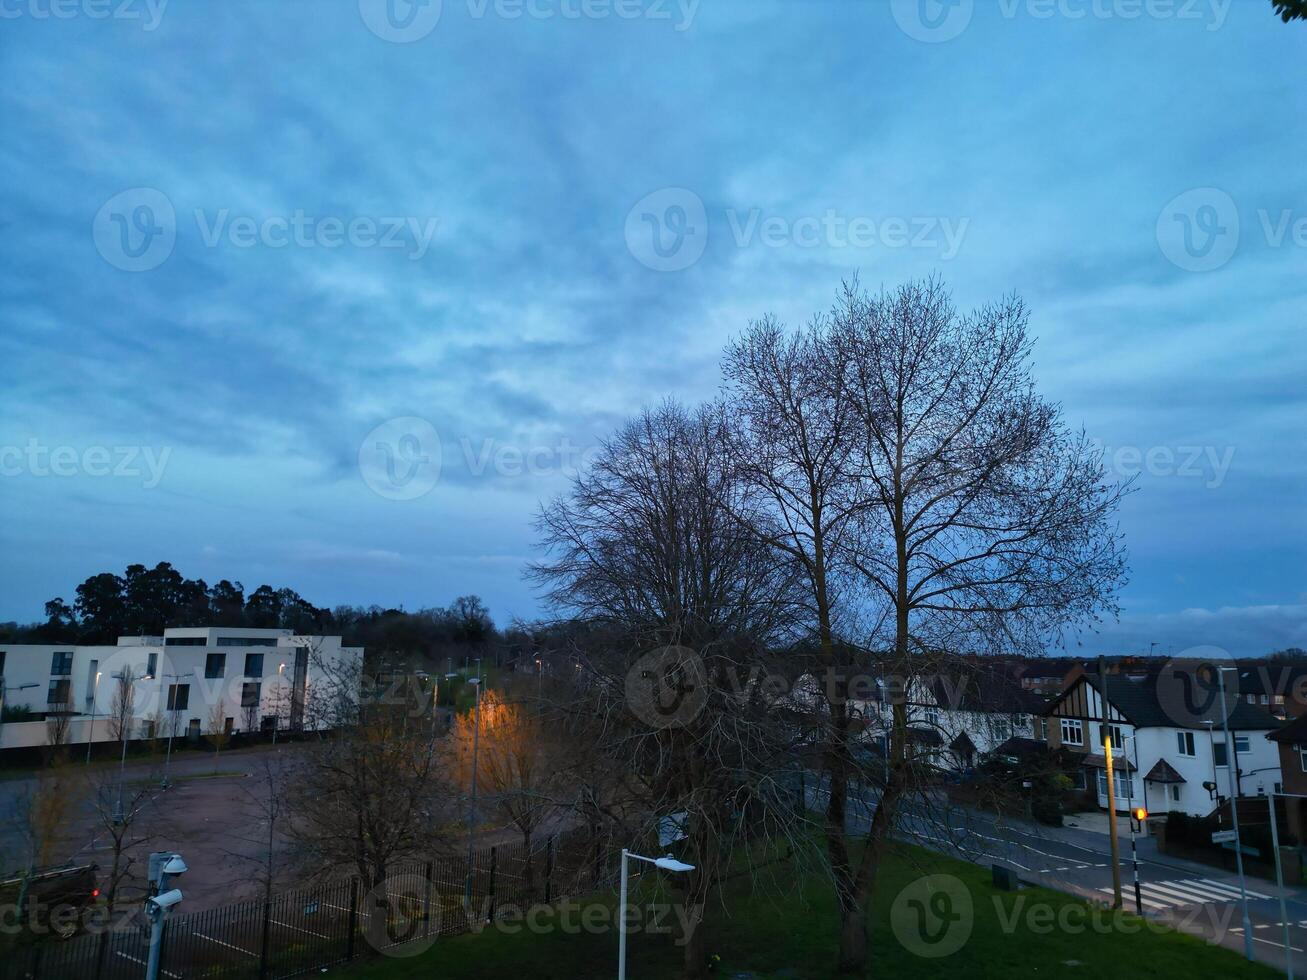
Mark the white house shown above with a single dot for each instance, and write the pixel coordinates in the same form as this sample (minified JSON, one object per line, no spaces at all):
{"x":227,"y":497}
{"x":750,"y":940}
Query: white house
{"x":955,"y":718}
{"x":185,"y":680}
{"x":1164,"y":756}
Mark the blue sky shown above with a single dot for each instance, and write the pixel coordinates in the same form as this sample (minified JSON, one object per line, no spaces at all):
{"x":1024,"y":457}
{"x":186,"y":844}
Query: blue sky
{"x":240,"y":237}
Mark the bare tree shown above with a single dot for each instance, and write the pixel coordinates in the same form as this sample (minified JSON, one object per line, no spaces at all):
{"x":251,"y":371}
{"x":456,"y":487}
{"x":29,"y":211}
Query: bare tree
{"x":36,"y":817}
{"x":974,"y":519}
{"x":370,"y":790}
{"x":123,"y":815}
{"x":217,"y":731}
{"x":123,"y":706}
{"x":649,"y":547}
{"x":266,"y":807}
{"x":519,"y":760}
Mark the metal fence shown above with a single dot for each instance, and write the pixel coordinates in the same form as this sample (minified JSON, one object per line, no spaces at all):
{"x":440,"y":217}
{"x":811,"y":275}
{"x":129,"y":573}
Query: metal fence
{"x":310,"y":929}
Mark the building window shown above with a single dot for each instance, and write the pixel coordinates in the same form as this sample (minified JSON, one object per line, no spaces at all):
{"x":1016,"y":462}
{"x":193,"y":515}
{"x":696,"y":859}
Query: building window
{"x":253,"y":665}
{"x":1104,"y":731}
{"x":1218,"y":754}
{"x":227,"y":725}
{"x":1302,"y":757}
{"x":1265,"y":699}
{"x":151,"y":664}
{"x":247,"y":641}
{"x":250,"y":695}
{"x":2,"y":663}
{"x":1278,"y":699}
{"x":215,"y":665}
{"x":1175,"y":792}
{"x":1185,"y":743}
{"x":1252,"y":698}
{"x":61,"y":664}
{"x":1241,"y":744}
{"x":1123,"y":784}
{"x":179,"y":697}
{"x":932,"y":716}
{"x":1001,"y":730}
{"x":1073,"y":732}
{"x":186,"y":641}
{"x":1279,"y":788}
{"x":61,"y":692}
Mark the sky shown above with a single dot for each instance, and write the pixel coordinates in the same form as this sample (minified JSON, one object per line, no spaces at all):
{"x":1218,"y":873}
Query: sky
{"x":331,"y":294}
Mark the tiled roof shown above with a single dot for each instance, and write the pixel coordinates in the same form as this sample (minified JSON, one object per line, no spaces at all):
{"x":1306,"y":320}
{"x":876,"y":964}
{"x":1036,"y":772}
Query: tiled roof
{"x":1163,"y":773}
{"x":1137,"y":699}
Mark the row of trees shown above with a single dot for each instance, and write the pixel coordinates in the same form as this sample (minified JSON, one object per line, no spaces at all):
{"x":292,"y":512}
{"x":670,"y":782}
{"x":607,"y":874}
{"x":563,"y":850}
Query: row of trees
{"x":145,"y":601}
{"x":871,"y":492}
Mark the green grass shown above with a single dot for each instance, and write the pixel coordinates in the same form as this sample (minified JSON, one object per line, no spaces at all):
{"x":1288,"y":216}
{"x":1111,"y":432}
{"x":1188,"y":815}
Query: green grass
{"x":792,"y":935}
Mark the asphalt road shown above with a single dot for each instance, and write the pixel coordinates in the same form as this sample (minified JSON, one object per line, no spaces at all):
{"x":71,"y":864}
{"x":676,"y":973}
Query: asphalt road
{"x":1193,"y":898}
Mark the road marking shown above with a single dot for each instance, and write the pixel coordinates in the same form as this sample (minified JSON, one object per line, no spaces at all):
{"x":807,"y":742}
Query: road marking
{"x":200,"y":935}
{"x":1219,"y":884}
{"x":287,"y":925}
{"x":166,"y":973}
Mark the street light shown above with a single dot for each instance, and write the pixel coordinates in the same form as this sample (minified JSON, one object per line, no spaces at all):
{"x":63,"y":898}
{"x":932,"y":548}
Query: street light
{"x":667,"y":863}
{"x":276,"y":705}
{"x":472,"y":804}
{"x":90,"y":737}
{"x":1231,"y":763}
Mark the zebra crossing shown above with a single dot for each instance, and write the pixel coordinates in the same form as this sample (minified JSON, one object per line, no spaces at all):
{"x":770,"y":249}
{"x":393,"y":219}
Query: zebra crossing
{"x":1158,"y":895}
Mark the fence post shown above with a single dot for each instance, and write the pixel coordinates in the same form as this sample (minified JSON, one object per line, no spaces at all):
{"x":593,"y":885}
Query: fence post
{"x":263,"y":949}
{"x":353,"y":917}
{"x":492,"y":883}
{"x":549,"y":869}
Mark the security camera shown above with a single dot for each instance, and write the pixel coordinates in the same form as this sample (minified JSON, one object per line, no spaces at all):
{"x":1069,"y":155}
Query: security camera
{"x":167,"y":899}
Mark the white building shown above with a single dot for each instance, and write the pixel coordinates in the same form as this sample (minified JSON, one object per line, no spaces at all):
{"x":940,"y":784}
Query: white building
{"x":1167,"y":756}
{"x":187,"y":680}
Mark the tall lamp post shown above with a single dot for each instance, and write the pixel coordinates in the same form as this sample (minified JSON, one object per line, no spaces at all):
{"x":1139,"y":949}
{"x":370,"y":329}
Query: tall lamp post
{"x":276,"y":704}
{"x":90,"y":735}
{"x":1231,"y":762}
{"x":667,"y":863}
{"x":472,"y":804}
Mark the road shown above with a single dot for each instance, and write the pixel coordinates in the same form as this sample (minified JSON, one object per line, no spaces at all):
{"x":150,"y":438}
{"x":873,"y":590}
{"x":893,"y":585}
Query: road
{"x":1193,"y":898}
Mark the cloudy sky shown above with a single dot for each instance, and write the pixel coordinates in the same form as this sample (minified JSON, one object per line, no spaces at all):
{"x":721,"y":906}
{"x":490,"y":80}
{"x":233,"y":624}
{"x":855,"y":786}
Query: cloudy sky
{"x":330,"y":294}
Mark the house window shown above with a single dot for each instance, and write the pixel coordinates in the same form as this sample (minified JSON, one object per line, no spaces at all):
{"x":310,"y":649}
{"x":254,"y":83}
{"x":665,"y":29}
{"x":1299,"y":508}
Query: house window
{"x":1123,"y":784}
{"x":151,"y":664}
{"x":1278,"y":699}
{"x":227,"y":725}
{"x":932,"y":716}
{"x":1110,"y":730}
{"x":1218,"y":754}
{"x":250,"y":695}
{"x":61,"y":664}
{"x":215,"y":665}
{"x":1252,"y":699}
{"x":1302,"y":757}
{"x":253,"y":665}
{"x":247,"y":641}
{"x":179,"y":697}
{"x":1185,"y":744}
{"x":61,"y":692}
{"x":1241,"y":744}
{"x":186,"y":641}
{"x":1001,"y":730}
{"x":1175,"y":792}
{"x":1265,"y":699}
{"x":1073,"y":732}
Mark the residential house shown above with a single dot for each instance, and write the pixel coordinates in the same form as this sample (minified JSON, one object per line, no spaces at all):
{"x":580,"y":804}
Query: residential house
{"x":1161,"y":762}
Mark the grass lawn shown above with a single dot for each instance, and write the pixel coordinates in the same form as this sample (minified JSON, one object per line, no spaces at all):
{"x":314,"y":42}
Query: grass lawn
{"x":1033,"y":932}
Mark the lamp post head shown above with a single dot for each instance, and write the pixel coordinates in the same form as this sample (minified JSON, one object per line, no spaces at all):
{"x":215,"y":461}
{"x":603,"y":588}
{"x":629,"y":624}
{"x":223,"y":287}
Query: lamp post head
{"x":669,"y":863}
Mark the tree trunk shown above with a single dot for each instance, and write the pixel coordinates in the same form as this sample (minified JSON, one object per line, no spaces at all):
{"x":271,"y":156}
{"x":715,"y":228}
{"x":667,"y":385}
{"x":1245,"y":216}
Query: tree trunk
{"x":694,"y":962}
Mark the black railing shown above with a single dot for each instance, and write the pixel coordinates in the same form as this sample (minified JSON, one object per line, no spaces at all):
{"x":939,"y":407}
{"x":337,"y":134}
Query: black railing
{"x":314,"y":928}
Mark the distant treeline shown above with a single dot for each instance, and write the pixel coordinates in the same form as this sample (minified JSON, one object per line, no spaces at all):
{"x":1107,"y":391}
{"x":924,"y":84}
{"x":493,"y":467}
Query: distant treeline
{"x":144,"y":601}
